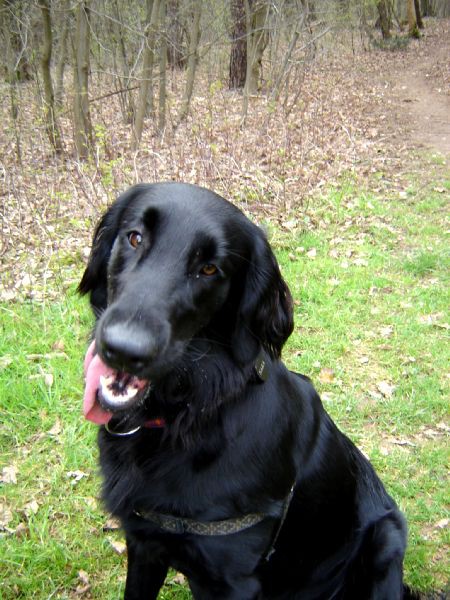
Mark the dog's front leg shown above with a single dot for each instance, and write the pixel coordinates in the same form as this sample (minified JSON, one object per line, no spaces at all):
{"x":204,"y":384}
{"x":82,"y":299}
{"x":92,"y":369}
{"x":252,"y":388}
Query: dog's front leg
{"x":241,"y":589}
{"x":146,"y":572}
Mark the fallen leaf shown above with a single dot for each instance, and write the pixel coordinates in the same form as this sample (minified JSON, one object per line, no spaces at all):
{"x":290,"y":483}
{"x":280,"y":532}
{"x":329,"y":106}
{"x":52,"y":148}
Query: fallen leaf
{"x":431,"y":319}
{"x":85,"y":586}
{"x":386,"y":331}
{"x":431,"y":433}
{"x":112,"y":524}
{"x":385,"y":388}
{"x":48,"y":379}
{"x":91,"y":502}
{"x":442,"y":524}
{"x":290,"y":225}
{"x":403,"y":443}
{"x":443,"y":427}
{"x":360,"y":262}
{"x":6,"y":515}
{"x":5,"y":361}
{"x":179,"y":579}
{"x":118,"y":547}
{"x":31,"y":508}
{"x":312,"y":253}
{"x":21,"y":531}
{"x":56,"y":429}
{"x":327,"y":375}
{"x":83,"y":576}
{"x":76,"y":476}
{"x":9,"y":475}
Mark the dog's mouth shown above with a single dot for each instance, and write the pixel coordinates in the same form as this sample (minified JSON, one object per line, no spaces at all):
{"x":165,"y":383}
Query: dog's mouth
{"x":108,"y":391}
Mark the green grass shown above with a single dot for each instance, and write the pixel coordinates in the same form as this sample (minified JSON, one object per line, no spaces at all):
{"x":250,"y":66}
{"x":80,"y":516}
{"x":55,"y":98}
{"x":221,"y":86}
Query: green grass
{"x":371,"y":290}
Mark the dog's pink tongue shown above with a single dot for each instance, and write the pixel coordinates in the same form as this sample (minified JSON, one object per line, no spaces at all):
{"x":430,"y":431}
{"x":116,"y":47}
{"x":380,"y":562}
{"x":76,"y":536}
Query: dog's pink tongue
{"x":94,"y":367}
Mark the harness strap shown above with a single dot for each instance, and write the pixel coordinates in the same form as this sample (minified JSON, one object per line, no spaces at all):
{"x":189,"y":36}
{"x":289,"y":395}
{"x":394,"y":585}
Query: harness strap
{"x":287,"y":503}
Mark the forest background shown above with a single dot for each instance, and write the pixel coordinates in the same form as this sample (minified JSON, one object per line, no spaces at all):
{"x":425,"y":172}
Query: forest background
{"x":327,"y":122}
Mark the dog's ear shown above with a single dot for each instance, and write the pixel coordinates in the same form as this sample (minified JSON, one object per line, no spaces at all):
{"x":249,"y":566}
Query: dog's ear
{"x":265,"y":314}
{"x":94,"y":280}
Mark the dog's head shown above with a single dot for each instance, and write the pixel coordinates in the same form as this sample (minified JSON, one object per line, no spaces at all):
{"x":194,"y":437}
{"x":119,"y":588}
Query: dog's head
{"x":171,"y":264}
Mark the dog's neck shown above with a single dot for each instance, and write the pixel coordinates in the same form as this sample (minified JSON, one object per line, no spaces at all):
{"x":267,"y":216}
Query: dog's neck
{"x":191,"y":394}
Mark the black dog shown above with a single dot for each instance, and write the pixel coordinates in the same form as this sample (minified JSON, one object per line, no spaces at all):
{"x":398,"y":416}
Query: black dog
{"x":219,"y":461}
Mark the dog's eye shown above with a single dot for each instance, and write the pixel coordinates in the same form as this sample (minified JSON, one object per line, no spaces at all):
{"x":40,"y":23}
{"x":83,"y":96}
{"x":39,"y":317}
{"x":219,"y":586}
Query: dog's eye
{"x":135,"y":239}
{"x":208,"y":270}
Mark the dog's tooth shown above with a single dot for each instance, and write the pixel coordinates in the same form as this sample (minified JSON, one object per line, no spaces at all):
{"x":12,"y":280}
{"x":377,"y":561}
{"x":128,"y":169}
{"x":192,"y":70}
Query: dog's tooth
{"x":111,"y":395}
{"x":106,"y":381}
{"x":131,"y":392}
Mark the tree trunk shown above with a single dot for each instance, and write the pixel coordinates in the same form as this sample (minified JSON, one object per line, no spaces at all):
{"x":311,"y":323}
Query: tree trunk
{"x":256,"y":12}
{"x":62,"y":56}
{"x":176,"y":53}
{"x":82,"y":119}
{"x":256,"y":15}
{"x":427,"y":8}
{"x":384,"y":19}
{"x":126,"y":98}
{"x":310,"y":10}
{"x":14,"y":66}
{"x":413,"y":30}
{"x":420,"y":24}
{"x":46,"y":57}
{"x":146,"y":88}
{"x":162,"y":67}
{"x":238,"y":55}
{"x":284,"y":71}
{"x":192,"y":60}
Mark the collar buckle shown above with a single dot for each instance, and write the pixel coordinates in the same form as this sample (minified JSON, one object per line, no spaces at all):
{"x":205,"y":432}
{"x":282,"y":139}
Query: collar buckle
{"x":261,"y":368}
{"x":122,"y":433}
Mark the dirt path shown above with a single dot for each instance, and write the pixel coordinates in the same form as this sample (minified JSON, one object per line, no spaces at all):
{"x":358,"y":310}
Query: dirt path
{"x":422,"y":91}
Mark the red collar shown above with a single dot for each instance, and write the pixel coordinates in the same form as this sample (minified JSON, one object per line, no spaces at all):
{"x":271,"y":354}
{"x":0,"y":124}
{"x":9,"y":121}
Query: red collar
{"x":155,"y":423}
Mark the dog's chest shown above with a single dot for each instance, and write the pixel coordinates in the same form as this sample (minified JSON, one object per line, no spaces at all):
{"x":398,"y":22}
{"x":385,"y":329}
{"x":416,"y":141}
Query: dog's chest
{"x":170,"y":482}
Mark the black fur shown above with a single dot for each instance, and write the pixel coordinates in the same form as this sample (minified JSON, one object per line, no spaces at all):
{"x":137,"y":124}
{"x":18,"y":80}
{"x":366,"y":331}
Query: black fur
{"x":232,"y":444}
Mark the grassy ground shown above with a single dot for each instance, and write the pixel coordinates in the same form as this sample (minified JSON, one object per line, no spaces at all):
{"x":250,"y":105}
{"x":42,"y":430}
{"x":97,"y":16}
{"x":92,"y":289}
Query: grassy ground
{"x":368,"y":272}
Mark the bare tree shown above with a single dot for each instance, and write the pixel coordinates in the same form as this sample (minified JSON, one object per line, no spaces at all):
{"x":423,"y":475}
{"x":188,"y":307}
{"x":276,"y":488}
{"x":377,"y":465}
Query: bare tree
{"x":82,"y":119}
{"x":413,"y":30}
{"x":428,"y":8}
{"x":15,"y":33}
{"x":309,"y":7}
{"x":49,"y":99}
{"x":257,"y":12}
{"x":419,"y":20}
{"x":384,"y":19}
{"x":238,"y":54}
{"x":62,"y":54}
{"x":162,"y":67}
{"x":192,"y":59}
{"x":176,"y":36}
{"x":145,"y":89}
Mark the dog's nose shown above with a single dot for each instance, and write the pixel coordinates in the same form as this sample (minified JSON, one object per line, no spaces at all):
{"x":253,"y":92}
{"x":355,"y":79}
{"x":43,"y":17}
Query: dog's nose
{"x":126,"y":348}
